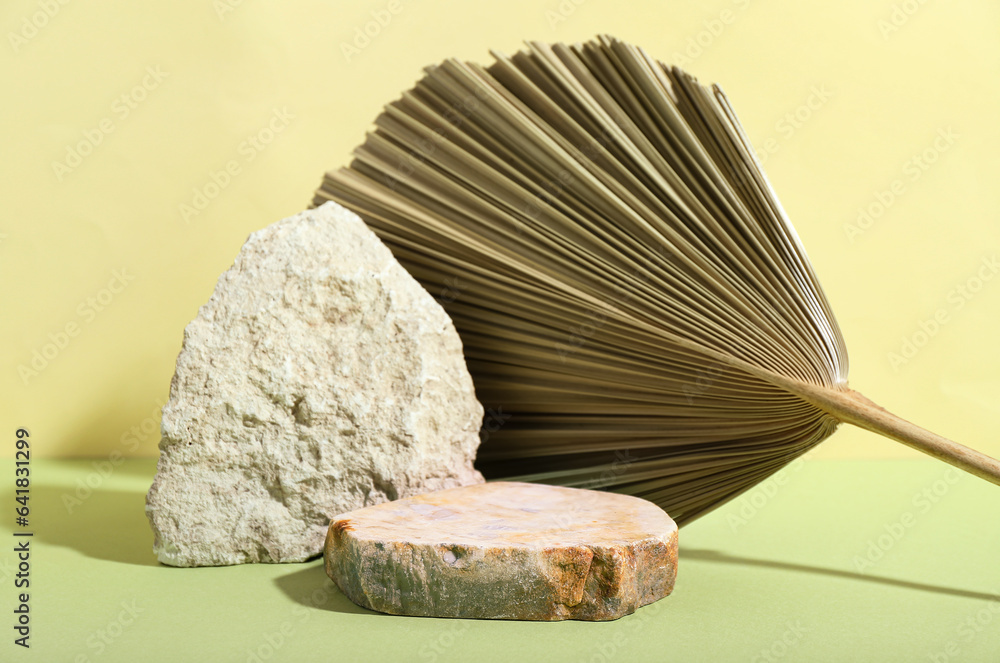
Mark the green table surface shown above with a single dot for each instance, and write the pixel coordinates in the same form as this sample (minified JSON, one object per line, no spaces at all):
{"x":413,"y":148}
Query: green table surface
{"x":830,"y":561}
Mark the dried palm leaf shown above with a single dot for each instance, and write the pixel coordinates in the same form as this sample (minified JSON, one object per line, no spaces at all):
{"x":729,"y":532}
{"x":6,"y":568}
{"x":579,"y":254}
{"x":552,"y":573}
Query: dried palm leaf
{"x":637,"y":310}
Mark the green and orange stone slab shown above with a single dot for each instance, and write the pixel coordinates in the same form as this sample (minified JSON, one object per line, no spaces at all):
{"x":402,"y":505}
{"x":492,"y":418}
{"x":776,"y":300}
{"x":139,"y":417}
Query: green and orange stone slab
{"x":505,"y":550}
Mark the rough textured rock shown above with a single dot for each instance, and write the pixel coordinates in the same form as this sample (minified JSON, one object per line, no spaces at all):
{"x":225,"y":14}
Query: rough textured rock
{"x":320,"y":377}
{"x":505,"y":550}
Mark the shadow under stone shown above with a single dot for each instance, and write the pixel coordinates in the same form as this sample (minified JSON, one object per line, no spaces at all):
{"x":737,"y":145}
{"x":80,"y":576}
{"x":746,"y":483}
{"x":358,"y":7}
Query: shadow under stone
{"x":725,"y":558}
{"x":105,"y":524}
{"x":311,"y":587}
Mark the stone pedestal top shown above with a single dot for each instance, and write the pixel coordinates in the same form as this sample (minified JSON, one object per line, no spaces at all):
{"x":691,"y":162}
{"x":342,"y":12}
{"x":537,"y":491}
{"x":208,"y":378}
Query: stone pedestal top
{"x":505,"y":550}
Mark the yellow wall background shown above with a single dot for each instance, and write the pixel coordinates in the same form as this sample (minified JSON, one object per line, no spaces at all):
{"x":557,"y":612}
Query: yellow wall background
{"x":840,"y":97}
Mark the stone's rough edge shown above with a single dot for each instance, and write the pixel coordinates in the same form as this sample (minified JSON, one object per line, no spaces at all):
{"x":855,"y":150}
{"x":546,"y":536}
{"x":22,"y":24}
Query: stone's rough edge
{"x":607,"y":568}
{"x":610,"y":567}
{"x":169,"y":553}
{"x":347,"y":583}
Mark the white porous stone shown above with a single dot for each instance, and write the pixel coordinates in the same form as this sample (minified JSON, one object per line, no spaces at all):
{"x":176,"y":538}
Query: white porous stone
{"x":319,"y":378}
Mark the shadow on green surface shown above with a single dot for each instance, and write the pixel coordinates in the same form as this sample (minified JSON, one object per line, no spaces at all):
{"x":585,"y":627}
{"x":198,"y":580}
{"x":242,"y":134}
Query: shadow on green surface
{"x":311,"y":587}
{"x":104,"y":524}
{"x":724,"y":558}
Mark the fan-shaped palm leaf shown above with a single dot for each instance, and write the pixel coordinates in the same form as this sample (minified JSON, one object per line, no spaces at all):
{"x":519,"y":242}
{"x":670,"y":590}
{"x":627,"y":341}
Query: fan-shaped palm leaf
{"x":637,"y":311}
